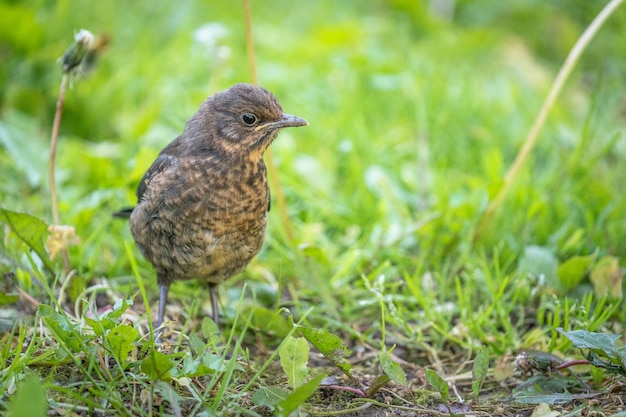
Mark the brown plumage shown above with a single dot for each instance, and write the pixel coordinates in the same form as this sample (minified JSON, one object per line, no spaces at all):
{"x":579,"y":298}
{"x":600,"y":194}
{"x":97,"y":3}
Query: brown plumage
{"x":202,"y":205}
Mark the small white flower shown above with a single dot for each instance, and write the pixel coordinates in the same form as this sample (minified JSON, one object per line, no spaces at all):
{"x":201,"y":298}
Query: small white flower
{"x":209,"y":34}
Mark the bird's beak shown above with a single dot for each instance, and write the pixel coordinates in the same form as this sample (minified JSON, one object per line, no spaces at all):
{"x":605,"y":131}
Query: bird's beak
{"x":287,"y":120}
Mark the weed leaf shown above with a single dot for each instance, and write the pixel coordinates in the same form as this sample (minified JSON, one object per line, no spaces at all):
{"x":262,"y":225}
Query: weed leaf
{"x":119,"y":308}
{"x":31,"y":230}
{"x":548,"y":390}
{"x":438,"y":383}
{"x":378,"y":383}
{"x":121,"y":341}
{"x":298,"y":396}
{"x":572,"y":271}
{"x":30,"y":399}
{"x":269,"y":396}
{"x":269,"y":321}
{"x":600,"y":349}
{"x":102,"y":323}
{"x":330,"y":346}
{"x":392,"y":369}
{"x":63,"y":330}
{"x":157,"y":366}
{"x":479,"y":370}
{"x":583,"y":339}
{"x":216,"y":362}
{"x":8,"y":299}
{"x":211,"y":333}
{"x":294,"y":358}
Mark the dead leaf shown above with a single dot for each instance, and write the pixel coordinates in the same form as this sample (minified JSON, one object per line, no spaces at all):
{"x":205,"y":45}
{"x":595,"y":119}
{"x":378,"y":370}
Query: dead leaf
{"x":61,"y":237}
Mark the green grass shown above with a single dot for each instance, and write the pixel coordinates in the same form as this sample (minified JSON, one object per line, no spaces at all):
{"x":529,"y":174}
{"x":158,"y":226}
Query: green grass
{"x":414,"y":121}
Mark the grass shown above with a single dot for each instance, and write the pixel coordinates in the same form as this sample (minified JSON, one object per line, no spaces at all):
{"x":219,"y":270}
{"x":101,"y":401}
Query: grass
{"x":415,"y":118}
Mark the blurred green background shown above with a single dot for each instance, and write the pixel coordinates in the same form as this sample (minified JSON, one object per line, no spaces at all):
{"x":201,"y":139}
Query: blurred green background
{"x":416,"y":110}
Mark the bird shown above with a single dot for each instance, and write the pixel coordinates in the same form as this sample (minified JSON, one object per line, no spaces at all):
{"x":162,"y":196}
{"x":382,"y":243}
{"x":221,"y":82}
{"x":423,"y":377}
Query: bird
{"x":202,"y":206}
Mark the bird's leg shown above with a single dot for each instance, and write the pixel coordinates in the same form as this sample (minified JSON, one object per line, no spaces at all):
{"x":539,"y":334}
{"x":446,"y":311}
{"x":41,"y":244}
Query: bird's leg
{"x":164,"y":288}
{"x":214,"y":302}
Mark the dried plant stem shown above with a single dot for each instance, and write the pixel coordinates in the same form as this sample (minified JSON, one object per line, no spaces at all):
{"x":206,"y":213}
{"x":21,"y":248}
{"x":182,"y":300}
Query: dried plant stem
{"x":277,"y":190}
{"x":53,"y":151}
{"x":250,"y":42}
{"x":555,"y":89}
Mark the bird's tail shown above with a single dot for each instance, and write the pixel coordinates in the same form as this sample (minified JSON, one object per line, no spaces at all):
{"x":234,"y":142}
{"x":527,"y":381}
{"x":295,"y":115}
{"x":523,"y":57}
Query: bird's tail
{"x":124,"y":213}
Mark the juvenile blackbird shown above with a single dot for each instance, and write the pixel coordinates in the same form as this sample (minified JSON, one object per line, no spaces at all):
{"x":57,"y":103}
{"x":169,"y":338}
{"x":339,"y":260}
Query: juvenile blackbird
{"x":202,"y":205}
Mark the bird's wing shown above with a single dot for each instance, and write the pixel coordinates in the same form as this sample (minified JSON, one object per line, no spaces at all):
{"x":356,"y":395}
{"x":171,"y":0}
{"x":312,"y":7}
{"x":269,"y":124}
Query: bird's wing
{"x":158,"y":166}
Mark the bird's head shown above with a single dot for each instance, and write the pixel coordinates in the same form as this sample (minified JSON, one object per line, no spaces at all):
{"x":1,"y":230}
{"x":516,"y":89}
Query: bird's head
{"x":245,"y":119}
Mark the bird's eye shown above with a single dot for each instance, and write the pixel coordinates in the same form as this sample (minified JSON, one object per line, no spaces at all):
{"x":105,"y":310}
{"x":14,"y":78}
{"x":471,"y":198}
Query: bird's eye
{"x":248,"y":118}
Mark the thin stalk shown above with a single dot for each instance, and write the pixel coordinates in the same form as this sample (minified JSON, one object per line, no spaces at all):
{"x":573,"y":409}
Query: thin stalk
{"x":533,"y":135}
{"x":53,"y":150}
{"x":56,"y":219}
{"x":277,"y":189}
